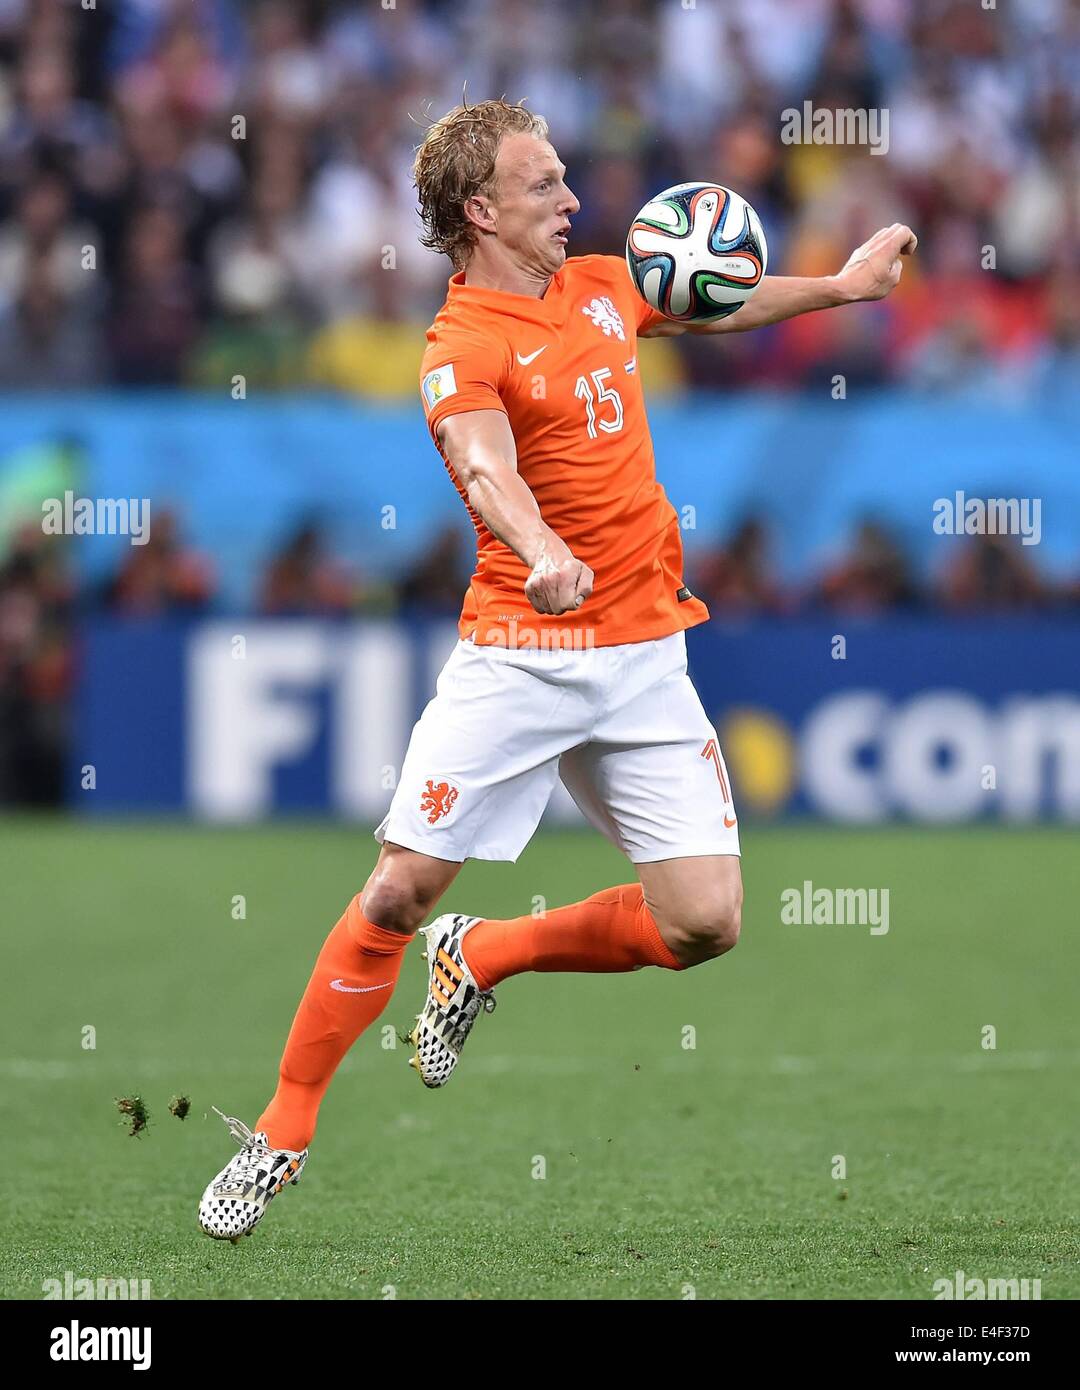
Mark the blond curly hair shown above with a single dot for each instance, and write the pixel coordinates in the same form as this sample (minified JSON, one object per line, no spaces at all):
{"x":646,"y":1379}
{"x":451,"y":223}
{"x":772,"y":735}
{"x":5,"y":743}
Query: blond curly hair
{"x":456,"y":161}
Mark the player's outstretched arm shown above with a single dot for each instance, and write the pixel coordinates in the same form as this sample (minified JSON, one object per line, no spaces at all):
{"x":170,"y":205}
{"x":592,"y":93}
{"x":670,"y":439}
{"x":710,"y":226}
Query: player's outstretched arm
{"x":872,"y":271}
{"x":480,"y":448}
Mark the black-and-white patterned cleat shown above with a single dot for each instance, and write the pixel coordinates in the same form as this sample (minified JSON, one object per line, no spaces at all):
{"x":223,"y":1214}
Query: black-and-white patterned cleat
{"x":454,"y":1001}
{"x":234,"y":1203}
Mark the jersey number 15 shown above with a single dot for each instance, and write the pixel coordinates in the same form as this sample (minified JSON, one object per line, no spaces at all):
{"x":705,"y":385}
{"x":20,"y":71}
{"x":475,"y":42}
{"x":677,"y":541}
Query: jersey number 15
{"x":583,"y":389}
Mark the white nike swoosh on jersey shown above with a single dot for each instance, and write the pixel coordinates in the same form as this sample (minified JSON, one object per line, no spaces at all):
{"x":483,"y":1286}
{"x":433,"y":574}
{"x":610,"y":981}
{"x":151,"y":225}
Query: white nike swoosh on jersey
{"x":343,"y":988}
{"x":532,"y":355}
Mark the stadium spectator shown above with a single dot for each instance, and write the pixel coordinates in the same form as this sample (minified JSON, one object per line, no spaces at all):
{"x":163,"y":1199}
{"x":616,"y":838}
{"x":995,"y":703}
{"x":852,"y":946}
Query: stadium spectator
{"x":439,"y":577}
{"x":303,"y":581}
{"x":153,"y":320}
{"x":35,"y":667}
{"x":47,"y":342}
{"x":993,"y":572}
{"x":873,"y":577}
{"x":736,"y":580}
{"x":41,"y":234}
{"x":161,"y":577}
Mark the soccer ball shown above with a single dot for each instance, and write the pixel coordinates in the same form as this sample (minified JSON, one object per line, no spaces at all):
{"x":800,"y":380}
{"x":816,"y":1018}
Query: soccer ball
{"x":696,"y":252}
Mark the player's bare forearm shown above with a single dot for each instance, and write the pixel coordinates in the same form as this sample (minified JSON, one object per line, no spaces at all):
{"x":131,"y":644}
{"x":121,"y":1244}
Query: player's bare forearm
{"x":779,"y":297}
{"x":871,"y":272}
{"x":480,"y":447}
{"x":508,"y":509}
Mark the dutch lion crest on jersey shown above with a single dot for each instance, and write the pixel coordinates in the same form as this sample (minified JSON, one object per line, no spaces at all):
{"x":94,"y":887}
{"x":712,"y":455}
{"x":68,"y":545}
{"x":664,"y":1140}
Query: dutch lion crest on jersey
{"x":605,"y":315}
{"x":437,"y":800}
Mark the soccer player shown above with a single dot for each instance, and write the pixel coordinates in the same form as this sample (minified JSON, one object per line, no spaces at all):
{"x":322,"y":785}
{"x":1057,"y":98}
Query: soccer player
{"x":572,"y":658}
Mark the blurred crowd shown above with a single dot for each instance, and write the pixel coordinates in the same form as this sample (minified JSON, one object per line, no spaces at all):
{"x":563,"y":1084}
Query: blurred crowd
{"x":195,"y":189}
{"x":191,"y":189}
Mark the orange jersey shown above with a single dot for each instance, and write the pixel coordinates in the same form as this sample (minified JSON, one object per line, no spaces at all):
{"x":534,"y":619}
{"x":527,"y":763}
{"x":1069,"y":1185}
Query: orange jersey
{"x":563,"y":369}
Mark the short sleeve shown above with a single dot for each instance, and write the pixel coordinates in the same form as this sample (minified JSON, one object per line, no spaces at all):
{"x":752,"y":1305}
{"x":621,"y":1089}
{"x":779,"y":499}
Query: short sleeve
{"x":457,"y":378}
{"x":647,"y":316}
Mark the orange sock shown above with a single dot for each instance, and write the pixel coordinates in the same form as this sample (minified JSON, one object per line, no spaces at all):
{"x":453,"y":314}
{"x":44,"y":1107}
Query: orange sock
{"x":352,"y":982}
{"x":609,"y":932}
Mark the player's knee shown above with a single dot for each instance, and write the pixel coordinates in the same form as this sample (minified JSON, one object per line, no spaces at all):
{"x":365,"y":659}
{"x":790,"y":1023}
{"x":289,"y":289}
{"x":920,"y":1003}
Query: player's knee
{"x":709,"y":929}
{"x":395,"y":899}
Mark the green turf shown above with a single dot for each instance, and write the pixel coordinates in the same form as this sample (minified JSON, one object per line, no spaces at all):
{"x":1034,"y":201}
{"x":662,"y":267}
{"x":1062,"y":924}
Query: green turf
{"x":665,"y":1167}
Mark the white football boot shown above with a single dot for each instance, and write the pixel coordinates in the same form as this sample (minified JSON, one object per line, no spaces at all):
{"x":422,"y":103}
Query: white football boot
{"x":453,"y":1004}
{"x":233,"y":1204}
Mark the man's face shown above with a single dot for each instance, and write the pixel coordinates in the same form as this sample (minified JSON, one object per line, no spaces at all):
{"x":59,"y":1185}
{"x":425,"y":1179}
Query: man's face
{"x":529,"y":204}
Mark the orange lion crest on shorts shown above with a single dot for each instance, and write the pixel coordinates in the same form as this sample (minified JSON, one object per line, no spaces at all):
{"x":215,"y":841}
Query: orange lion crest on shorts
{"x":437,"y":799}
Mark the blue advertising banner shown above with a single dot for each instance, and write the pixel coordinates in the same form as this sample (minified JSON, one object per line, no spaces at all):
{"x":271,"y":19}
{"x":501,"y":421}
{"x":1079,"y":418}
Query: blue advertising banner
{"x":925,"y":720}
{"x":240,"y":474}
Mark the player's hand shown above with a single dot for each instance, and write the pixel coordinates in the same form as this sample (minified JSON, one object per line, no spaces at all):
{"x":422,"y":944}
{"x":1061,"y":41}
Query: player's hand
{"x":559,"y":583}
{"x":873,"y":269}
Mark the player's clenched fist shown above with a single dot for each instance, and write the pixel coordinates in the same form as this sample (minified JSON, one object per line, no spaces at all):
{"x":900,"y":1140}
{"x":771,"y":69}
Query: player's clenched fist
{"x":558,"y":584}
{"x":873,"y":269}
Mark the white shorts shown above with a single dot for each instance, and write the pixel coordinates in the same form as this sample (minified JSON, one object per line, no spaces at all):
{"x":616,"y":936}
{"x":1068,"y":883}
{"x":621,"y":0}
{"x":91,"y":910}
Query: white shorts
{"x":622,"y":726}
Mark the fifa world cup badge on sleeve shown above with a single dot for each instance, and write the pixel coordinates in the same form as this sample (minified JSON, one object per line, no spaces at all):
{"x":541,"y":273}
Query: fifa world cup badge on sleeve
{"x":437,"y":385}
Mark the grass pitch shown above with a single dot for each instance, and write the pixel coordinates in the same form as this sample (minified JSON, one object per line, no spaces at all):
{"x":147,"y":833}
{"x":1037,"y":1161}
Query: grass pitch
{"x":669,"y":1170}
